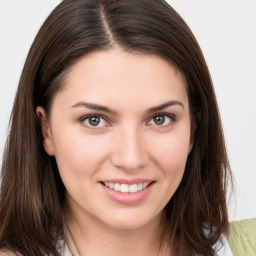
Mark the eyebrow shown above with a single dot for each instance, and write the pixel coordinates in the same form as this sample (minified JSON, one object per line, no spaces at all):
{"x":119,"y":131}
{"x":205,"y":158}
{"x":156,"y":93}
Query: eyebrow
{"x":94,"y":107}
{"x":98,"y":107}
{"x":165,"y":105}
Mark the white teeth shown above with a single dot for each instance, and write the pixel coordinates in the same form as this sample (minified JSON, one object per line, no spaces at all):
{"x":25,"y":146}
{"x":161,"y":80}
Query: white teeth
{"x":125,"y":188}
{"x":144,"y":185}
{"x":116,"y":186}
{"x":133,"y":188}
{"x":139,"y":187}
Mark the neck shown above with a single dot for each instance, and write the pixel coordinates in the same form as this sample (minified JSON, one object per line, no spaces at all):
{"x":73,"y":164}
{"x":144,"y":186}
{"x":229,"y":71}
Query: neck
{"x":92,"y":237}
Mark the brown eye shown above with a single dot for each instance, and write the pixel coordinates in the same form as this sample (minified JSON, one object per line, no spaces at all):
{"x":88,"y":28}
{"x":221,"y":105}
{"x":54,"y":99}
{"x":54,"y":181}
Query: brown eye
{"x":159,"y":120}
{"x":94,"y":121}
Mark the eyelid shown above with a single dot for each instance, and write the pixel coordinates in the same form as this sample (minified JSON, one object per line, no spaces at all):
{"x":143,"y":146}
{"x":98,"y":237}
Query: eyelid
{"x":169,"y":115}
{"x":83,"y":118}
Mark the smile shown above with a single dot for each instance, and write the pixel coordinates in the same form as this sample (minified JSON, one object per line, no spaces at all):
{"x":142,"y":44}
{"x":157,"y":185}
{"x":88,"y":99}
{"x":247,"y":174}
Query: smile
{"x":127,"y":188}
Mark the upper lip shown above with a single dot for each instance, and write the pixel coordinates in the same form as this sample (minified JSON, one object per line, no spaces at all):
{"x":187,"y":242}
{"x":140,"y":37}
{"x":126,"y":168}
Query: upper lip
{"x":129,"y":182}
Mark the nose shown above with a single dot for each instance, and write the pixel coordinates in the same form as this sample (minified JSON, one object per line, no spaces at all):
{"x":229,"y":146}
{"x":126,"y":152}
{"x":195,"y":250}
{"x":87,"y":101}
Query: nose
{"x":129,"y":150}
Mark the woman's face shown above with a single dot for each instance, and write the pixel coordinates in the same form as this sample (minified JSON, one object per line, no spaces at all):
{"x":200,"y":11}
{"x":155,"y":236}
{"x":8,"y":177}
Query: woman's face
{"x":120,"y":132}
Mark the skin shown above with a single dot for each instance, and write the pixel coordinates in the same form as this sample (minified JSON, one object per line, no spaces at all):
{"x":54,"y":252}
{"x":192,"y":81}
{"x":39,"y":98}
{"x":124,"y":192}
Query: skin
{"x":128,"y":143}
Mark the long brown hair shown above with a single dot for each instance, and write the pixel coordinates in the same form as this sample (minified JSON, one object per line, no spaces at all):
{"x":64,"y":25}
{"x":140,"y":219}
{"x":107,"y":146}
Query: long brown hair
{"x":32,"y":195}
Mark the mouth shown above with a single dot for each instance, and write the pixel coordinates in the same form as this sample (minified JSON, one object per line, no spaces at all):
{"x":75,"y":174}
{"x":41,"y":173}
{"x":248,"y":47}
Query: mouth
{"x":127,"y":188}
{"x":128,"y":191}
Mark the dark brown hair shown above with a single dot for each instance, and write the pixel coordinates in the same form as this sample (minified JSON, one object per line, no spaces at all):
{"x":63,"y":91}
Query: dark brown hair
{"x":32,"y":195}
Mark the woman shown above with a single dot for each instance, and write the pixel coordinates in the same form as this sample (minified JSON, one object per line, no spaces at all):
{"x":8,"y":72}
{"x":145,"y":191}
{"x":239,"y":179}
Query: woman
{"x":115,"y":145}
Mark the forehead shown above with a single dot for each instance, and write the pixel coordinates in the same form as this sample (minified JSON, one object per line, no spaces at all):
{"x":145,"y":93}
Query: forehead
{"x":117,"y":77}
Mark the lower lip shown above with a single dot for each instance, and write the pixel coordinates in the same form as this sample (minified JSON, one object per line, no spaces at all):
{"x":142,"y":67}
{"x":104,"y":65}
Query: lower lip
{"x":127,"y":198}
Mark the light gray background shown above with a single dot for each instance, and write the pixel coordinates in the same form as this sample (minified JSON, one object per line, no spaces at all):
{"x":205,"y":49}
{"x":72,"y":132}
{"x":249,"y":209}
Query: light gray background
{"x":226,"y":31}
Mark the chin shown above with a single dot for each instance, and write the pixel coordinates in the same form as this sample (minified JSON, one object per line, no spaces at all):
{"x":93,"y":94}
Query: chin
{"x":131,"y":221}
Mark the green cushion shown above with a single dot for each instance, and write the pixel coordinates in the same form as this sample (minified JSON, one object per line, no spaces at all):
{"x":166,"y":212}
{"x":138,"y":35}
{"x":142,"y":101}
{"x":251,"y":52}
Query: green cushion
{"x":242,"y":237}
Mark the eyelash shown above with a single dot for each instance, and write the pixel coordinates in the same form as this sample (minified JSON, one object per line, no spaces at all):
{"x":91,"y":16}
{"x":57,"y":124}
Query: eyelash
{"x":87,"y":117}
{"x":101,"y":117}
{"x":165,"y":115}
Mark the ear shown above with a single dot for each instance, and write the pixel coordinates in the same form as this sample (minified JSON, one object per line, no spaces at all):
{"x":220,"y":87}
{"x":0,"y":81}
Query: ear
{"x":48,"y":142}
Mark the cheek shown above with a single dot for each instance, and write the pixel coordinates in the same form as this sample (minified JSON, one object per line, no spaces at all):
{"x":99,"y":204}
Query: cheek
{"x":172,"y":164}
{"x":78,"y":154}
{"x":172,"y":149}
{"x":177,"y":152}
{"x":171,"y":155}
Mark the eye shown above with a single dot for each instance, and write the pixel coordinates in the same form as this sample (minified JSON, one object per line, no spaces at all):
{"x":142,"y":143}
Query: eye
{"x":161,"y":120}
{"x":94,"y":121}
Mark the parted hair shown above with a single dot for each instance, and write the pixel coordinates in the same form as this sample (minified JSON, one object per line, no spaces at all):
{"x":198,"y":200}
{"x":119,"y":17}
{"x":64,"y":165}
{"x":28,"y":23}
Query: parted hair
{"x":32,"y":195}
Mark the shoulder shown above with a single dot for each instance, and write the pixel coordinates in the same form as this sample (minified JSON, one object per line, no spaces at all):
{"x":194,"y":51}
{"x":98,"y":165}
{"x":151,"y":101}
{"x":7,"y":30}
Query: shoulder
{"x":221,"y":247}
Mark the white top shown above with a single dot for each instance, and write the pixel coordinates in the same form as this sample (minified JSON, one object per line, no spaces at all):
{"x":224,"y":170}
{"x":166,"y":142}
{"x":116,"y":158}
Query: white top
{"x":221,"y":247}
{"x":63,"y":249}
